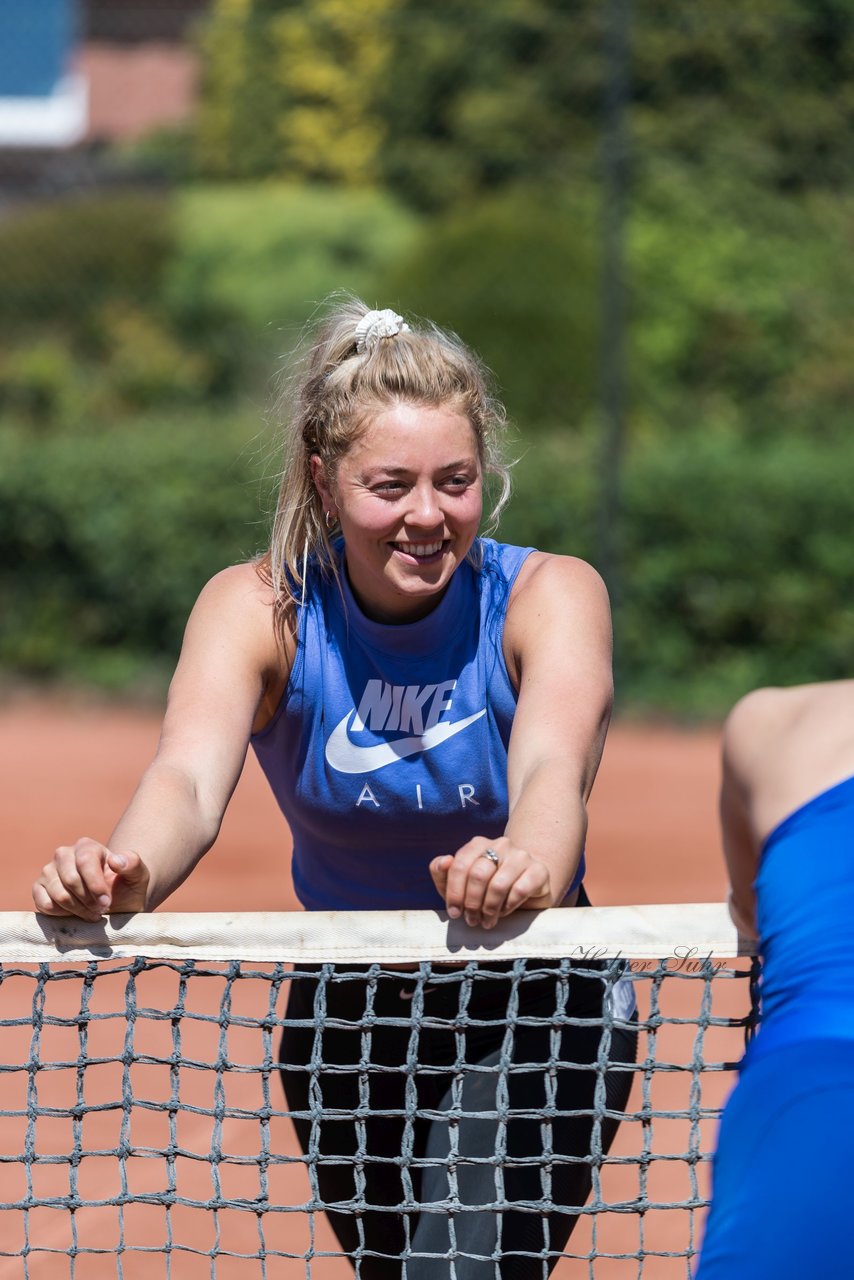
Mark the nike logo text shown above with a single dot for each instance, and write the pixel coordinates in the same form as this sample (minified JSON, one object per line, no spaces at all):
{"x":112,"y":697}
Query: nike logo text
{"x":386,"y":708}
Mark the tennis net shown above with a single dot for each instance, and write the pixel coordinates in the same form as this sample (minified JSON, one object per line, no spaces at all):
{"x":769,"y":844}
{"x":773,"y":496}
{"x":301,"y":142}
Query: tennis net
{"x":452,"y":1102}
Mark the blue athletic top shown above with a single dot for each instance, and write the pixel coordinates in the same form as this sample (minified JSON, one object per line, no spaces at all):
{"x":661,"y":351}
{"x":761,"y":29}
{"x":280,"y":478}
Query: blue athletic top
{"x":389,"y":746}
{"x":805,"y":908}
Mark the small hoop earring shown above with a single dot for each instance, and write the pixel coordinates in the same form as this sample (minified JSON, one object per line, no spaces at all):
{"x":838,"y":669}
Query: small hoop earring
{"x":328,"y":520}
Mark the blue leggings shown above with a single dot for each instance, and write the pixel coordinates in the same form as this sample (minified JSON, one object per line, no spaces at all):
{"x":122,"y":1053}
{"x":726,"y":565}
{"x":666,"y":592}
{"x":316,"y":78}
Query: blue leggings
{"x":781,"y":1199}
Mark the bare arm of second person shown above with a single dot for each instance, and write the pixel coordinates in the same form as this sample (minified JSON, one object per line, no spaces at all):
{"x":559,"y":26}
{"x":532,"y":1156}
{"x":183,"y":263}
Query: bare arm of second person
{"x":557,"y":644}
{"x":741,"y":850}
{"x":781,"y":748}
{"x":230,"y":671}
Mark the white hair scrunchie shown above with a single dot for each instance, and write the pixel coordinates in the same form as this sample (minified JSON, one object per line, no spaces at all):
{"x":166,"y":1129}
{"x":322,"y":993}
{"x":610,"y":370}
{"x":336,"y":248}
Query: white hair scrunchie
{"x":376,"y":325}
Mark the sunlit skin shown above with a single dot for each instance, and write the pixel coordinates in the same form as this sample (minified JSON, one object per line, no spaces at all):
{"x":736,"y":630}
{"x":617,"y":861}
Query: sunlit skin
{"x":408,"y":496}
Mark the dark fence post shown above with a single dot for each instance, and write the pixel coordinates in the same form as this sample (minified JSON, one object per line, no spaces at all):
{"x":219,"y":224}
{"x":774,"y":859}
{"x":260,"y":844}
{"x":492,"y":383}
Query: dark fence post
{"x":613,"y":320}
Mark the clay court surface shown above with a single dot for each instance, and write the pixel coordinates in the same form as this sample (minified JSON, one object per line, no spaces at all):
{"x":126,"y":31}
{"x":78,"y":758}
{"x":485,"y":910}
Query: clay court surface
{"x":68,"y":769}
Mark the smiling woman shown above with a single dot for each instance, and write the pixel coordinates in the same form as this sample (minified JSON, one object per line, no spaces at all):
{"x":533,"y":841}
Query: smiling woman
{"x":408,"y":499}
{"x":429,"y":707}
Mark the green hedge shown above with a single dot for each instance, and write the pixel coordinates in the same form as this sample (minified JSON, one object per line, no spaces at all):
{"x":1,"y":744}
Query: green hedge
{"x":736,"y":560}
{"x":108,"y":535}
{"x":60,"y":261}
{"x":741,"y":317}
{"x":742,"y":310}
{"x":517,"y":276}
{"x":268,"y":253}
{"x":126,"y":302}
{"x":737,"y":568}
{"x":86,"y":326}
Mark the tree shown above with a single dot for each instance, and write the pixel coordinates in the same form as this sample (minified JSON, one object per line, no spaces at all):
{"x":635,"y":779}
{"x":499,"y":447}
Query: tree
{"x":458,"y":98}
{"x":289,"y":89}
{"x":485,"y":94}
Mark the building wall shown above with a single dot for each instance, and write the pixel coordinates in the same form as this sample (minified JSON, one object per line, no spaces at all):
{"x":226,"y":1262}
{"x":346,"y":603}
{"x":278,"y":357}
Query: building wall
{"x":136,"y":88}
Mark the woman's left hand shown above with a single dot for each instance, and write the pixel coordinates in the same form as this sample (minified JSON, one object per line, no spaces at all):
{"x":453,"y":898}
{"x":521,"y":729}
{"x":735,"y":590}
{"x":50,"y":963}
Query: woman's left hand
{"x":483,"y":890}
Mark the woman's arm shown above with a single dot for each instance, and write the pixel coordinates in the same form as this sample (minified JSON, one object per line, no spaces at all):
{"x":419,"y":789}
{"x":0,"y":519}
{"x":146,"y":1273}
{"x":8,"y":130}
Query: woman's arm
{"x":746,"y":730}
{"x":741,"y":854}
{"x":558,"y":648}
{"x":229,"y":660}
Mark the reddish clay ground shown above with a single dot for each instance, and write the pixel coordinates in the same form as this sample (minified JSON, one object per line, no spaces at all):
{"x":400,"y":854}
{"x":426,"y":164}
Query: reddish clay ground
{"x":68,"y":770}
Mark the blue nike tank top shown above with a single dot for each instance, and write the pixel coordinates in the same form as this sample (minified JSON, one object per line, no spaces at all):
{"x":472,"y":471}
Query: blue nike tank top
{"x":805,"y":905}
{"x":390,"y":743}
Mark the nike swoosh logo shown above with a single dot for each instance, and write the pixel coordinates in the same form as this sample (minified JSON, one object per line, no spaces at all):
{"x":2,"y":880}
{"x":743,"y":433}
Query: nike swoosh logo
{"x":346,"y":757}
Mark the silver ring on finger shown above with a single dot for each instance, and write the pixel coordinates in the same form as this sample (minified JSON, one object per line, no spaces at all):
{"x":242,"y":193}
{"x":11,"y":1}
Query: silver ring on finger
{"x":492,"y":855}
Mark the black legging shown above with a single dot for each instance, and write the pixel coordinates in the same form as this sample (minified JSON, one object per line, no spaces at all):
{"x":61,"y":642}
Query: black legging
{"x":412,"y":1153}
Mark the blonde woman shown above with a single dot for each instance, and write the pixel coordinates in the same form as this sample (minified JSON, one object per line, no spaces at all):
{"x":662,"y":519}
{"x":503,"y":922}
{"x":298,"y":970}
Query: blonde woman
{"x":430,"y":708}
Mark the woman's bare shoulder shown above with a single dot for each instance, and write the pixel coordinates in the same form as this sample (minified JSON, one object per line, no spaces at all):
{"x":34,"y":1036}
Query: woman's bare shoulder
{"x":559,"y":618}
{"x":236,"y":585}
{"x":561,"y":593}
{"x":547,"y":567}
{"x":781,"y":746}
{"x":769,"y":714}
{"x":237,"y":606}
{"x":563,"y":583}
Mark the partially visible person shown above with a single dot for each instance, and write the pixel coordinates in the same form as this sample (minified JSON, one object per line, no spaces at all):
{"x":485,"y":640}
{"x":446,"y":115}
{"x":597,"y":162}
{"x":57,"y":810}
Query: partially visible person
{"x":782,"y":1171}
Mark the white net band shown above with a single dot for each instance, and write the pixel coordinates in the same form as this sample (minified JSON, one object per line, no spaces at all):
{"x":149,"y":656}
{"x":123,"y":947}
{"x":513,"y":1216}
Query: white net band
{"x":583,"y":933}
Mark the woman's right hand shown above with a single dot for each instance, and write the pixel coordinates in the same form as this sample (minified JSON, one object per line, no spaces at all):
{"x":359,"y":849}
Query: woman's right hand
{"x":88,"y":880}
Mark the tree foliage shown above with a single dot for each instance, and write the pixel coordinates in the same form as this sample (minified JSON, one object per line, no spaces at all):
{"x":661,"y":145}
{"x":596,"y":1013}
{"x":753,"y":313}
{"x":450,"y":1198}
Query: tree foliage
{"x":755,"y":93}
{"x":516,"y":274}
{"x":485,"y":94}
{"x":290,"y":89}
{"x":743,"y":306}
{"x":447,"y":101}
